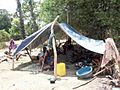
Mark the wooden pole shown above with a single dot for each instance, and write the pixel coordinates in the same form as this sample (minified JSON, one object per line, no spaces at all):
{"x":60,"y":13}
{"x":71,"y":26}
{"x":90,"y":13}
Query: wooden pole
{"x":29,"y":54}
{"x":104,"y":69}
{"x":13,"y":64}
{"x":54,"y":47}
{"x":13,"y":60}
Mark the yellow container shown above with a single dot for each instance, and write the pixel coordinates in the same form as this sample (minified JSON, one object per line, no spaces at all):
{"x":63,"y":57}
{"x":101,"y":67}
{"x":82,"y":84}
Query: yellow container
{"x":61,"y":69}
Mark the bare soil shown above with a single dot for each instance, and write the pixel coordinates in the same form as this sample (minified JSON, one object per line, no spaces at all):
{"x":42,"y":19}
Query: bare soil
{"x":26,"y":77}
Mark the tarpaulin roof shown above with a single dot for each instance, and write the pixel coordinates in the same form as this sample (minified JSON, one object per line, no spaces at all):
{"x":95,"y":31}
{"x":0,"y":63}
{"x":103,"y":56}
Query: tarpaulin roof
{"x":97,"y":46}
{"x":38,"y":37}
{"x":43,"y":34}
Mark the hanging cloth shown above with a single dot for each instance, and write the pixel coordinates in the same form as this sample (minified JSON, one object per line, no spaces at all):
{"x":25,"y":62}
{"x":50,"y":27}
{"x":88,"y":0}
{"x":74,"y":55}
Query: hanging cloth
{"x":111,"y":52}
{"x":50,"y":40}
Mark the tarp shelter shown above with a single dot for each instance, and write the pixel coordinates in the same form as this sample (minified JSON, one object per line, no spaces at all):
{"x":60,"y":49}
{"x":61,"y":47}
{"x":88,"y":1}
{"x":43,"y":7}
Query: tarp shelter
{"x":40,"y":36}
{"x":43,"y":34}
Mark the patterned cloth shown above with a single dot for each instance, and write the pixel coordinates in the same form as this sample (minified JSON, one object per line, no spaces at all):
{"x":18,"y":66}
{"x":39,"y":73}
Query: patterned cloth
{"x":110,"y":53}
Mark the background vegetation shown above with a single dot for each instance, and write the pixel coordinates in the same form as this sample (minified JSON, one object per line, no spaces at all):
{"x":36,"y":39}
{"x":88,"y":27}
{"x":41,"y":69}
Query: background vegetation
{"x":92,"y":18}
{"x":4,"y":36}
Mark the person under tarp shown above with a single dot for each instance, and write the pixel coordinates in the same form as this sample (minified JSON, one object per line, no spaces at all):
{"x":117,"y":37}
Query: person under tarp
{"x":66,"y":45}
{"x":4,"y":56}
{"x":45,"y":58}
{"x":43,"y":34}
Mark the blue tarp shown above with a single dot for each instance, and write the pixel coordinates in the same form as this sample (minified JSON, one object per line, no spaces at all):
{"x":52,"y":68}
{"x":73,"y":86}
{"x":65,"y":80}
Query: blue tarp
{"x":97,"y":46}
{"x":38,"y":37}
{"x":43,"y":34}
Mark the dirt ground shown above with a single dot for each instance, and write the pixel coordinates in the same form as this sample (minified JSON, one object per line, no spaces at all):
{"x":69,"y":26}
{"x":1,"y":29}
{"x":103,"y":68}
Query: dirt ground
{"x":26,"y":77}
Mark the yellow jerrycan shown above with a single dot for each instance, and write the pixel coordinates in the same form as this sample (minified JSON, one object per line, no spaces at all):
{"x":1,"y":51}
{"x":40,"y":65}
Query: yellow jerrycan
{"x":61,"y":69}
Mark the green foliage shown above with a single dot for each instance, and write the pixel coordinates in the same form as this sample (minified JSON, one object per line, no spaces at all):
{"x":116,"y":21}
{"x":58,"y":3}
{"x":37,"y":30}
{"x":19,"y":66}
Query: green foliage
{"x":5,"y":20}
{"x":20,"y":15}
{"x":4,"y":36}
{"x":92,"y":18}
{"x":2,"y":45}
{"x":117,"y":41}
{"x":30,"y":9}
{"x":49,"y":9}
{"x":28,"y":29}
{"x":15,"y":28}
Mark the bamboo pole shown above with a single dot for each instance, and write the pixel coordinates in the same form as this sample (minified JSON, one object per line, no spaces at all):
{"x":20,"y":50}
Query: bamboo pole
{"x":54,"y":47}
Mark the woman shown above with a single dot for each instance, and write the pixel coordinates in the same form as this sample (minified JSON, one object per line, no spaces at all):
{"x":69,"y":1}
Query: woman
{"x":45,"y":57}
{"x":12,"y":46}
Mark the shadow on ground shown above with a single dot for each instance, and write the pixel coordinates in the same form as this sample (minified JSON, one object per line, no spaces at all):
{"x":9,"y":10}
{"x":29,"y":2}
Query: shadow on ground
{"x":33,"y":68}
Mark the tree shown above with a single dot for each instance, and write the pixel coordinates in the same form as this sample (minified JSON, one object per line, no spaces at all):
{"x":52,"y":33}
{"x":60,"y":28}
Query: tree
{"x":14,"y":30}
{"x":21,"y":19}
{"x":49,"y":9}
{"x":5,"y":20}
{"x":30,"y":12}
{"x":93,"y":18}
{"x":35,"y":27}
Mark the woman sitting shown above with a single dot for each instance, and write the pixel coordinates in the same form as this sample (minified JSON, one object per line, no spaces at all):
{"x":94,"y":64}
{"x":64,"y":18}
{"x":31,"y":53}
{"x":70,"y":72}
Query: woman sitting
{"x":45,"y":58}
{"x":67,"y":45}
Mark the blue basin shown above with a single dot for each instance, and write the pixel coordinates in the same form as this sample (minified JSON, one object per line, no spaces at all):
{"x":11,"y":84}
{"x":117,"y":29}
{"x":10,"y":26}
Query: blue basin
{"x":84,"y":72}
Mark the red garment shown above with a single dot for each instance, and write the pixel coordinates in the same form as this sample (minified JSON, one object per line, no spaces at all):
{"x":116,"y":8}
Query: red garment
{"x":110,"y":52}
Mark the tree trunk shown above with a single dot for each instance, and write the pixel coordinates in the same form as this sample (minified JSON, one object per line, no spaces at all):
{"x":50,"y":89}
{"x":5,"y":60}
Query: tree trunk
{"x":21,"y":19}
{"x":35,"y":26}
